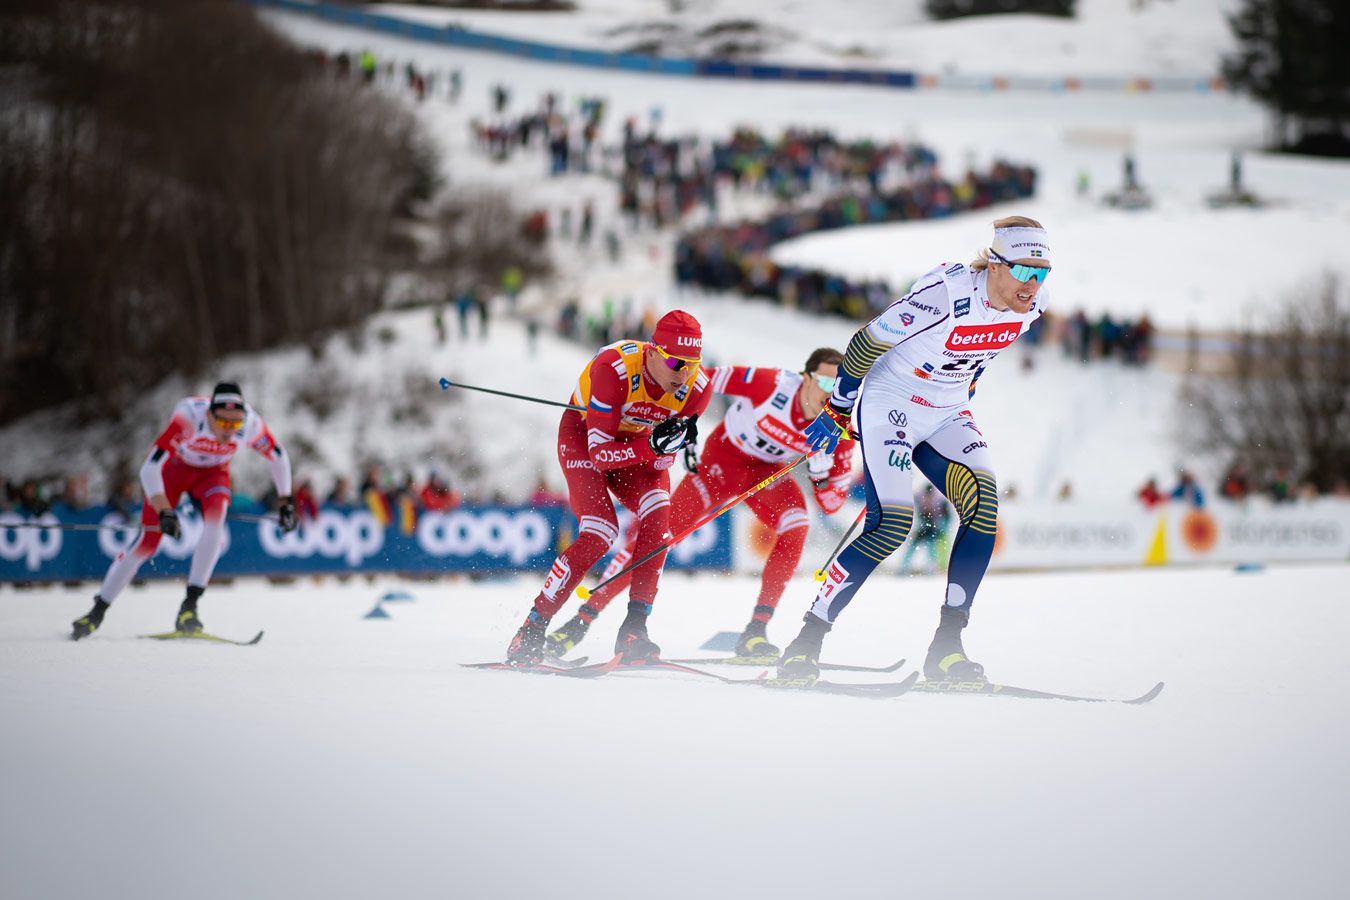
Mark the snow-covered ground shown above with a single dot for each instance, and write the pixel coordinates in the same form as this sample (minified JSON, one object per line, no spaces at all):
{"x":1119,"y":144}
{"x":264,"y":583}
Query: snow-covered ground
{"x":346,"y":758}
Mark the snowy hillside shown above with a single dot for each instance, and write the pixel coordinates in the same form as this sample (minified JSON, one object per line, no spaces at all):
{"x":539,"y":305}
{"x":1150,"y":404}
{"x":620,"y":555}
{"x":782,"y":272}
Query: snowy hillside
{"x":1123,"y":38}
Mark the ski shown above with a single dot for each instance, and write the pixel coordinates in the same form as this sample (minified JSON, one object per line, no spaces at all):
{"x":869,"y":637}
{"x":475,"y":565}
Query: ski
{"x":201,"y":636}
{"x":990,"y":689}
{"x":507,"y":667}
{"x":773,"y":661}
{"x":568,"y":663}
{"x":727,"y":661}
{"x":576,"y":670}
{"x":875,"y":690}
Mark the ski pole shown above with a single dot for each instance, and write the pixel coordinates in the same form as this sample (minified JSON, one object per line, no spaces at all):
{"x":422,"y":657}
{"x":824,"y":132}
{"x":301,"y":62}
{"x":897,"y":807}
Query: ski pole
{"x":446,"y":384}
{"x":584,"y":592}
{"x":249,"y":517}
{"x":78,"y":526}
{"x":820,"y":573}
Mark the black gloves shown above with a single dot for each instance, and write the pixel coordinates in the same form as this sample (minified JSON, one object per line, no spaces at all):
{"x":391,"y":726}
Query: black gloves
{"x":286,"y":514}
{"x":691,"y":448}
{"x":672,"y":434}
{"x":169,"y":526}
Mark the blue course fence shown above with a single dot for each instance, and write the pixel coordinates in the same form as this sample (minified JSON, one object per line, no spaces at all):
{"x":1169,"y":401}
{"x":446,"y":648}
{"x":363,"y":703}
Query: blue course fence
{"x":480,"y":540}
{"x":718,"y":68}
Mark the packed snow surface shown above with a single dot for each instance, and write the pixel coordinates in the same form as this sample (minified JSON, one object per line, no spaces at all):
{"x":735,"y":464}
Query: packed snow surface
{"x":343,"y":757}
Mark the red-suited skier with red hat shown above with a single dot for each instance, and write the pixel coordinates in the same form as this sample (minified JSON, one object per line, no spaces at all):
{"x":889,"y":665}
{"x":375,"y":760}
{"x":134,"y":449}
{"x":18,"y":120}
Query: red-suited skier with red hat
{"x":642,"y":400}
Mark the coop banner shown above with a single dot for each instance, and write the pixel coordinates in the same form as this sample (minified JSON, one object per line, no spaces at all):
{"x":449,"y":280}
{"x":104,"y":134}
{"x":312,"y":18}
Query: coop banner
{"x":478,"y":539}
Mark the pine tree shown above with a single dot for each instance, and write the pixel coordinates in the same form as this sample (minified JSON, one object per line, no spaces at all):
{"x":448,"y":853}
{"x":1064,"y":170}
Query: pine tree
{"x":1291,"y":56}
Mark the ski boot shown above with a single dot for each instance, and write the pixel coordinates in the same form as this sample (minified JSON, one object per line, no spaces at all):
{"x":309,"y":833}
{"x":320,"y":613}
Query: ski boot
{"x":527,"y":647}
{"x":947,"y":660}
{"x":800,"y":666}
{"x":188,"y":622}
{"x":754,"y":645}
{"x":89,"y":622}
{"x":564,"y":640}
{"x":632,"y":643}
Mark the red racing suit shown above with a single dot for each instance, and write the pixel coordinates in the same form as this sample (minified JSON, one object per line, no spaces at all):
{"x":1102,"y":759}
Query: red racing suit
{"x":603,"y":452}
{"x":761,"y":433}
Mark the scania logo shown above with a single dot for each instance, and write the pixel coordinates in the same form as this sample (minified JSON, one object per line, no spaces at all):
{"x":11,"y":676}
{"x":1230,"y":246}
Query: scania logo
{"x":982,"y":337}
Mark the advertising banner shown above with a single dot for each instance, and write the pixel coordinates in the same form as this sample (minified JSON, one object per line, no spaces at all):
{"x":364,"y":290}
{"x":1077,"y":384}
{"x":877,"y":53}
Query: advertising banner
{"x":470,"y":539}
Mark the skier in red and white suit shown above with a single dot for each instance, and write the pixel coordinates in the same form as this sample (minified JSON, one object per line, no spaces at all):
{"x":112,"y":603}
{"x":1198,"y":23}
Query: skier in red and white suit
{"x":192,"y":457}
{"x":761,"y":432}
{"x":642,"y":400}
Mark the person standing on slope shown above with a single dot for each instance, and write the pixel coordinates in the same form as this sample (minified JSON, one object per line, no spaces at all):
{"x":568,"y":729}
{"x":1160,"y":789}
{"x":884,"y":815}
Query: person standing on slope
{"x":642,"y":400}
{"x":761,"y":432}
{"x":192,"y":457}
{"x":921,"y":358}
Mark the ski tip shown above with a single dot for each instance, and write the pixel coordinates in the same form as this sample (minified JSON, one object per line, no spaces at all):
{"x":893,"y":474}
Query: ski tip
{"x":445,"y":384}
{"x":1157,"y":689}
{"x":257,"y":637}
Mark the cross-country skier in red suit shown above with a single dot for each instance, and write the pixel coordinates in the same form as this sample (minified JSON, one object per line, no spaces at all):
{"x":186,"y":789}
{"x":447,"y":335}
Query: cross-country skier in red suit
{"x":642,"y":402}
{"x":192,"y":457}
{"x":761,"y":432}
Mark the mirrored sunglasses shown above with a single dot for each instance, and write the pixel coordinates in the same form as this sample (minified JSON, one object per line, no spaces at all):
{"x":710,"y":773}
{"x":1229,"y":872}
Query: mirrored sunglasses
{"x":826,"y":382}
{"x":1023,"y":272}
{"x":227,"y":424}
{"x":675,"y":363}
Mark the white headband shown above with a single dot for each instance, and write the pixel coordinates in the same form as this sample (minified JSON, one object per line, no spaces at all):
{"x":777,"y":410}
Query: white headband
{"x":1021,"y":243}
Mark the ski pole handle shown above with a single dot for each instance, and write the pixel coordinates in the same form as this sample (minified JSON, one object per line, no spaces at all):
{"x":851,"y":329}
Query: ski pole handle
{"x":584,"y":592}
{"x":446,"y":384}
{"x":820,"y":573}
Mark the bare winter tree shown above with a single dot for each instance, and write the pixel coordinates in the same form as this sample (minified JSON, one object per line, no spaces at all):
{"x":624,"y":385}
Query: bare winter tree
{"x":1286,"y":402}
{"x":179,"y":183}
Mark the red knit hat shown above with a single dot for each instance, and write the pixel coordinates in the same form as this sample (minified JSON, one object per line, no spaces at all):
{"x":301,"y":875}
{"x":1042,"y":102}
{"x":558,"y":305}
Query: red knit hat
{"x":679,"y":334}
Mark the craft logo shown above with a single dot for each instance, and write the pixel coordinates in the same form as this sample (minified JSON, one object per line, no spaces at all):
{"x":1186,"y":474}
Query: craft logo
{"x":982,"y":337}
{"x":974,"y":446}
